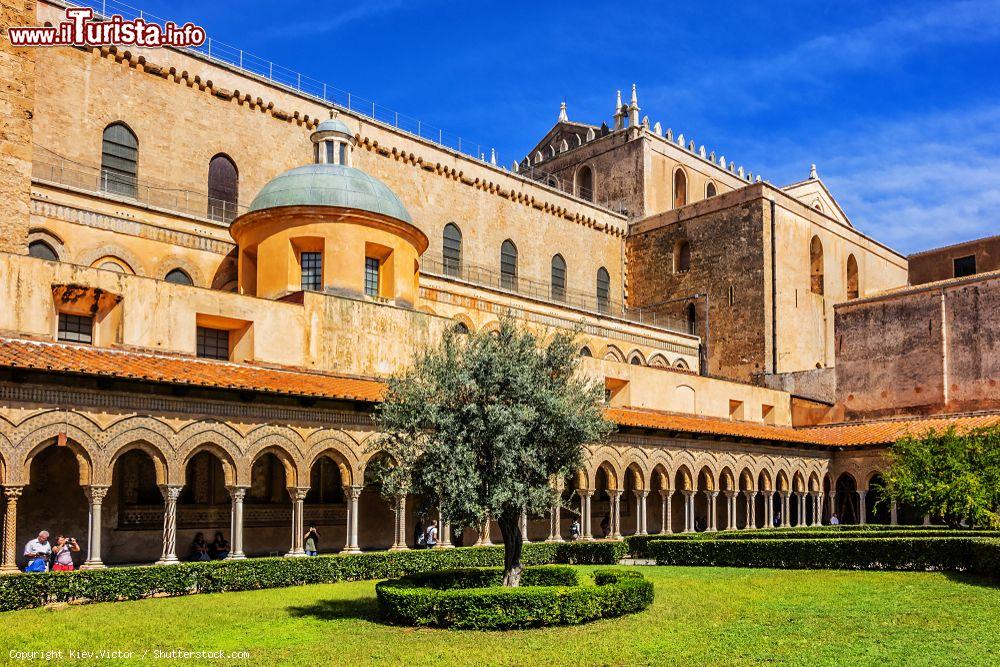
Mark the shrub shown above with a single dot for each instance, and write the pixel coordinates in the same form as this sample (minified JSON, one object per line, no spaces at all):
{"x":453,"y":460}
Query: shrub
{"x":32,"y":590}
{"x":861,"y":553}
{"x":440,"y":600}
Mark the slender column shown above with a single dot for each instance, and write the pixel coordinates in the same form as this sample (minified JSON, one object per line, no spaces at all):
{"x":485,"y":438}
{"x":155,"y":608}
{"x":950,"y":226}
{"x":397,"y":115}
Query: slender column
{"x":555,"y":527}
{"x":298,"y":494}
{"x":237,"y":494}
{"x":768,"y":509}
{"x":751,"y":513}
{"x":171,"y":492}
{"x":444,"y":533}
{"x":616,"y":515}
{"x":862,"y":510}
{"x":524,"y":527}
{"x":893,"y":514}
{"x":833,"y":504}
{"x":802,"y":509}
{"x":665,"y":523}
{"x":785,"y":506}
{"x":688,"y":511}
{"x":353,"y":493}
{"x":95,"y":496}
{"x":641,"y":507}
{"x":399,"y":510}
{"x":586,"y":495}
{"x":927,"y":519}
{"x":712,"y":495}
{"x":8,"y":559}
{"x":818,"y":509}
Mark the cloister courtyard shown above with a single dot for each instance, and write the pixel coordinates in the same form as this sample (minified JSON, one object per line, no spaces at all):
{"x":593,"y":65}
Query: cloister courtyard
{"x":700,"y":616}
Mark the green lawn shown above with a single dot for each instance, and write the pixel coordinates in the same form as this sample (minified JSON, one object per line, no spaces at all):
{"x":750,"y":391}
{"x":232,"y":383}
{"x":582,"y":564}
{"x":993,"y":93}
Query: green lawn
{"x":706,"y":616}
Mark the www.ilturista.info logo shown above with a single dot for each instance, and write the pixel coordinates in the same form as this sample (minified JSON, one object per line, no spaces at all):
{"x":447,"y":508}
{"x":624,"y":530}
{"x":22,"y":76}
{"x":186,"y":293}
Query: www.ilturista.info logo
{"x":80,"y":29}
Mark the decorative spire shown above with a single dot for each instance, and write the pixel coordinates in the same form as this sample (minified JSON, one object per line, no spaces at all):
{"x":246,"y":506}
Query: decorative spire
{"x":563,"y":118}
{"x":635,"y":99}
{"x":812,"y":172}
{"x":493,"y":156}
{"x":633,"y":109}
{"x":619,"y":112}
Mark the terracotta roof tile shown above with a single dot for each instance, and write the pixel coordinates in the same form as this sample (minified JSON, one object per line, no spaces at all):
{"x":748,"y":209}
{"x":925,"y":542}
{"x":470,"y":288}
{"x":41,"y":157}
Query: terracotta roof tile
{"x":177,"y":369}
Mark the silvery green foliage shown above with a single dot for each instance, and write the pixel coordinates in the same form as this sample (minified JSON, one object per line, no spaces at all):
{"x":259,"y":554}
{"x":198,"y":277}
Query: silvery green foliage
{"x":486,"y":423}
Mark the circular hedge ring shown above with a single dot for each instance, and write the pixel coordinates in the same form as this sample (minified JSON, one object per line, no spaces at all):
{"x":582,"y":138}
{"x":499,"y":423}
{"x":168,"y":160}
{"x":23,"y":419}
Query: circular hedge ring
{"x":473,"y":599}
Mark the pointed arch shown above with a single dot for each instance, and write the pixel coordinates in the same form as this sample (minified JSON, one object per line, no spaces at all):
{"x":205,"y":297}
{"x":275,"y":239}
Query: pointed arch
{"x":680,"y":187}
{"x":816,"y":285}
{"x":853,"y":289}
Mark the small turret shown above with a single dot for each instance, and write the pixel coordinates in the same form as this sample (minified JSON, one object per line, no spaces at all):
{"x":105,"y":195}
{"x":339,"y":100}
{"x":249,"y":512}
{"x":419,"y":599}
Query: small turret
{"x":333,"y":142}
{"x":563,"y":118}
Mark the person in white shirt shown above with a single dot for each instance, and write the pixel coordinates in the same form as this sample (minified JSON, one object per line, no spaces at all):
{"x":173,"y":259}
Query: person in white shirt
{"x":834,"y":521}
{"x":37,"y":552}
{"x":432,"y":536}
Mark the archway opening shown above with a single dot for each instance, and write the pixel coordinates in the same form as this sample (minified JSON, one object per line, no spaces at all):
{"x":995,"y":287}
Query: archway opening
{"x":325,"y":505}
{"x":267,"y":515}
{"x":53,"y":501}
{"x":135,"y":505}
{"x":204,"y":508}
{"x":847,"y":499}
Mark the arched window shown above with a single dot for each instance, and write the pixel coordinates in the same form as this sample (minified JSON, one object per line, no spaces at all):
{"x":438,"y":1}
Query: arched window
{"x":710,"y":190}
{"x":558,"y":278}
{"x":585,"y":183}
{"x":852,"y":278}
{"x":508,"y":265}
{"x":42,"y":250}
{"x":680,"y":188}
{"x":603,"y":290}
{"x":816,"y":266}
{"x":178,"y":277}
{"x":461,"y":329}
{"x":682,"y":257}
{"x":452,"y":249}
{"x":585,"y":352}
{"x":223,"y":188}
{"x":692,"y":319}
{"x":119,"y":160}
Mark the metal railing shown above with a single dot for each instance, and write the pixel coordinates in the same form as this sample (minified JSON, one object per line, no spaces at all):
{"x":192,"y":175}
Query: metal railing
{"x":50,"y":166}
{"x":483,"y":276}
{"x":248,"y":63}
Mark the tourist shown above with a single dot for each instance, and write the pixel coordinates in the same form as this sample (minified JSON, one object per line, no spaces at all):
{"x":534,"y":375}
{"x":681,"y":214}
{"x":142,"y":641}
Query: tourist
{"x":606,"y":525}
{"x":312,"y":541}
{"x":834,"y":521}
{"x":432,"y":536}
{"x":199,"y":548}
{"x":37,"y":552}
{"x":777,"y":519}
{"x":62,"y":554}
{"x":419,"y":539}
{"x":574,"y":529}
{"x":699,"y":524}
{"x":219,"y":547}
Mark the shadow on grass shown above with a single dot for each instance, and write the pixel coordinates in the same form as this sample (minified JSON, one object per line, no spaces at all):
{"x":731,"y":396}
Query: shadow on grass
{"x":365,"y":609}
{"x":972,"y":579}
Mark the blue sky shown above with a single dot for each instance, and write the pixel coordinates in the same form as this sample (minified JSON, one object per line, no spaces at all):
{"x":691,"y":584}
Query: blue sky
{"x":897,"y":104}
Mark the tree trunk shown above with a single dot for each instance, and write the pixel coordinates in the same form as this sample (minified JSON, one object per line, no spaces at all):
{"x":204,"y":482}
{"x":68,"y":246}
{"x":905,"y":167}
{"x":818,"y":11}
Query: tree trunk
{"x":510,"y":528}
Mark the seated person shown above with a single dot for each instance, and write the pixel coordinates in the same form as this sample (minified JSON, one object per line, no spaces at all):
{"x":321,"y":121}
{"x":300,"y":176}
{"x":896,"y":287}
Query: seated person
{"x":219,"y":546}
{"x":199,"y":548}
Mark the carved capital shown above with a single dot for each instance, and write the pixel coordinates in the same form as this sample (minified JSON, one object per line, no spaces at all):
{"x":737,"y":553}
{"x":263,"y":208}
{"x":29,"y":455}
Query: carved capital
{"x":237,"y":493}
{"x":298,"y":493}
{"x":171,"y":492}
{"x":96,"y":494}
{"x":353,"y":492}
{"x":12,"y":493}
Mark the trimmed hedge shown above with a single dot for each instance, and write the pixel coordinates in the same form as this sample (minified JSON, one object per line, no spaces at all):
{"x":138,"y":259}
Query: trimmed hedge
{"x":969,"y":554}
{"x":133,"y":583}
{"x":440,"y":600}
{"x":638,"y":545}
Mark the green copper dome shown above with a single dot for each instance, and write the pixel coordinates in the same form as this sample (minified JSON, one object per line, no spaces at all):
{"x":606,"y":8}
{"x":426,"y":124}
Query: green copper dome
{"x":330,"y":185}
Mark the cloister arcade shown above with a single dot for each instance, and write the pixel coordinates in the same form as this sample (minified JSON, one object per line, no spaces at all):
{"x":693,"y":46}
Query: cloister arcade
{"x":138,"y":489}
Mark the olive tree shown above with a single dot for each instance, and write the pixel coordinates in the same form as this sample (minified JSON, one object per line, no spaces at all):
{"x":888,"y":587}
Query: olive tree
{"x":481,"y":425}
{"x":953,"y":477}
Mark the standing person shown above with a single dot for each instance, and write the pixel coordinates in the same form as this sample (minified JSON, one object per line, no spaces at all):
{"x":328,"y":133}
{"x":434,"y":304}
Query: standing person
{"x":62,"y":554}
{"x":37,"y":552}
{"x":219,"y":546}
{"x":574,"y":529}
{"x":432,"y":535}
{"x":606,"y":525}
{"x":419,"y":539}
{"x":834,"y":521}
{"x":312,"y":541}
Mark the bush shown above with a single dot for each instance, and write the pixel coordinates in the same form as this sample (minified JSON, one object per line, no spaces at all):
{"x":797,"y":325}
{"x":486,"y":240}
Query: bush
{"x":440,"y":600}
{"x":860,"y":553}
{"x":133,"y":583}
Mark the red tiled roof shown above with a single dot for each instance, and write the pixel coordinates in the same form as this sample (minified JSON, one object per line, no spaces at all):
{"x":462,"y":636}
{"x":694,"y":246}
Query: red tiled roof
{"x":177,"y":369}
{"x":834,"y":435}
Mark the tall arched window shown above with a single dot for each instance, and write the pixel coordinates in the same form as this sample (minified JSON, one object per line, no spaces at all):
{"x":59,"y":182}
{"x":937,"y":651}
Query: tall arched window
{"x":508,"y":265}
{"x":852,"y":278}
{"x":558,"y":278}
{"x":452,"y":249}
{"x":585,"y":183}
{"x":223,"y":188}
{"x":691,"y":314}
{"x":816,"y":266}
{"x":682,"y":257}
{"x":119,"y":160}
{"x":42,"y":250}
{"x":680,"y":188}
{"x":710,"y":190}
{"x":603,"y":290}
